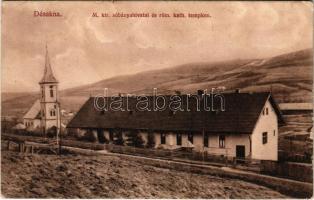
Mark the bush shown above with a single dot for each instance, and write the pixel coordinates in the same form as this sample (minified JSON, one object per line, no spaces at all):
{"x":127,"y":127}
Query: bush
{"x":20,"y":131}
{"x":135,"y":139}
{"x":52,"y":132}
{"x":35,"y":132}
{"x":89,"y":136}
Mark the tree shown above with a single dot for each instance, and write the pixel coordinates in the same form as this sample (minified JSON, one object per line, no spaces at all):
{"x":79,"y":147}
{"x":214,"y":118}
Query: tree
{"x":52,"y":132}
{"x":150,"y":140}
{"x":134,"y":139}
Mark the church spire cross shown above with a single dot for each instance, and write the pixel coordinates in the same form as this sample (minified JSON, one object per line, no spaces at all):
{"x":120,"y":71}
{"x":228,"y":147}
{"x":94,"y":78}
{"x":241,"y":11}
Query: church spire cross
{"x":48,"y":74}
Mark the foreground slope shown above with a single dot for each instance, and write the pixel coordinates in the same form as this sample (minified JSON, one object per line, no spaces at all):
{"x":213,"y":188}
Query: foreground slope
{"x":50,"y":176}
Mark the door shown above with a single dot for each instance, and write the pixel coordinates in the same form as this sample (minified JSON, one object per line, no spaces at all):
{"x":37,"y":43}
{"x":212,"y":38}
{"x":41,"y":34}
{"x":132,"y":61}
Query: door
{"x":163,"y":138}
{"x":240,"y":151}
{"x":179,"y":139}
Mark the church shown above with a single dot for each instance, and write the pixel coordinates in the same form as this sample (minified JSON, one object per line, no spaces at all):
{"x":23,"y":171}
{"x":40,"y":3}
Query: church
{"x":45,"y":112}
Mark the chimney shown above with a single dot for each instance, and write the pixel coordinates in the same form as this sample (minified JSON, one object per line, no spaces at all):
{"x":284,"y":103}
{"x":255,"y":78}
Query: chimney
{"x":177,"y":92}
{"x":237,"y":91}
{"x":200,"y":92}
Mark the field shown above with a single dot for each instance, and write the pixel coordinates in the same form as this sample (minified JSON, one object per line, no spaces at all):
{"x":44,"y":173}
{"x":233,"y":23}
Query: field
{"x":73,"y":176}
{"x":294,"y":135}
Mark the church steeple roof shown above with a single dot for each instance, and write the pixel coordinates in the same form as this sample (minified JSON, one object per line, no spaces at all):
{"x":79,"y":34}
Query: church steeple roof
{"x":48,"y":74}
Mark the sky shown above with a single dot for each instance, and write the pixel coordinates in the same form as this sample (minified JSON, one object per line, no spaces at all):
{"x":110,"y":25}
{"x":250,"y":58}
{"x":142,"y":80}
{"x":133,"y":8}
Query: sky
{"x":84,"y":49}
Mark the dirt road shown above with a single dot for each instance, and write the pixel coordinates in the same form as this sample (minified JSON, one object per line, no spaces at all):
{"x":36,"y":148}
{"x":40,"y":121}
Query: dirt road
{"x":71,"y":176}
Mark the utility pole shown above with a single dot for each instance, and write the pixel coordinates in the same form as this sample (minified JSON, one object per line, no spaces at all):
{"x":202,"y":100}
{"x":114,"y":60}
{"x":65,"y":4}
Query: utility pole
{"x":59,"y":135}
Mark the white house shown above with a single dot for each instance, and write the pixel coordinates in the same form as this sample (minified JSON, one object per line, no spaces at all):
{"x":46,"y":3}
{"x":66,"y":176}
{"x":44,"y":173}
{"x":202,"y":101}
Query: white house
{"x":44,"y":113}
{"x":246,"y":128}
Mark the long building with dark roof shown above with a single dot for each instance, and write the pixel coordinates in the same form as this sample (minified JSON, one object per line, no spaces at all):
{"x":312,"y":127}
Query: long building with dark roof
{"x":229,"y":124}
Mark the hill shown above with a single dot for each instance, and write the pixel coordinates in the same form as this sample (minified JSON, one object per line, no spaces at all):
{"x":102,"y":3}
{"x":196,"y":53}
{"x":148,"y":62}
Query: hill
{"x":289,"y":76}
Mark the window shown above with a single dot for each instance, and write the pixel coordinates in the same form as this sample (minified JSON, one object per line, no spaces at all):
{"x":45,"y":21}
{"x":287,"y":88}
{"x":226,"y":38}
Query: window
{"x":264,"y":137}
{"x":42,"y":92}
{"x":190,"y":137}
{"x":263,"y":111}
{"x":110,"y":135}
{"x":266,"y":111}
{"x":274,"y":132}
{"x":52,"y":113}
{"x":51,"y":91}
{"x":222,"y":139}
{"x":205,"y":140}
{"x":179,"y":139}
{"x":163,"y":138}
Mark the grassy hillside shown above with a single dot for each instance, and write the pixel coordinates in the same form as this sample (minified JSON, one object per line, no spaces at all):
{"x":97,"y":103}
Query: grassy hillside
{"x":289,"y":76}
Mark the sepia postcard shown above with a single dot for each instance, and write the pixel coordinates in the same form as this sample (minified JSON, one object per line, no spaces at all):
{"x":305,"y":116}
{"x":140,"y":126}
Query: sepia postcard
{"x":157,"y":99}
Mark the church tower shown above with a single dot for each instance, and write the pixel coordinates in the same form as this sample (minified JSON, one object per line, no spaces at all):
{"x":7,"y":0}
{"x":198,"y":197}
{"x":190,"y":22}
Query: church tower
{"x":49,"y":104}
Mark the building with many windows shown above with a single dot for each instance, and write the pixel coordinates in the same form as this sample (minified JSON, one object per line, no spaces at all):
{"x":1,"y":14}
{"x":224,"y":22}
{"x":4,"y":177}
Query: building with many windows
{"x":247,"y":127}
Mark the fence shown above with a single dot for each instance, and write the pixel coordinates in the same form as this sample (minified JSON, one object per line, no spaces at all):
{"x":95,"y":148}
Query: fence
{"x":296,"y":171}
{"x":185,"y":155}
{"x":181,"y":153}
{"x":166,"y":153}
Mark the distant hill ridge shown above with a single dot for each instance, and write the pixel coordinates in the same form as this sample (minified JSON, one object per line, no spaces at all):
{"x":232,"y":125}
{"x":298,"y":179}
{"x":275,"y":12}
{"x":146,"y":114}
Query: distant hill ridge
{"x":289,"y":76}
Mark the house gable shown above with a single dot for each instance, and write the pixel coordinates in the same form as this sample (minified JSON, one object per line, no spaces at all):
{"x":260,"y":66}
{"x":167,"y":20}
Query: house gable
{"x":34,"y":111}
{"x":264,"y":138}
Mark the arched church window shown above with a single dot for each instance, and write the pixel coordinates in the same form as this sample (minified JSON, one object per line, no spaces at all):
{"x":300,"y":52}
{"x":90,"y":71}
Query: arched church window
{"x":42,"y":92}
{"x":52,"y":112}
{"x":51,"y":91}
